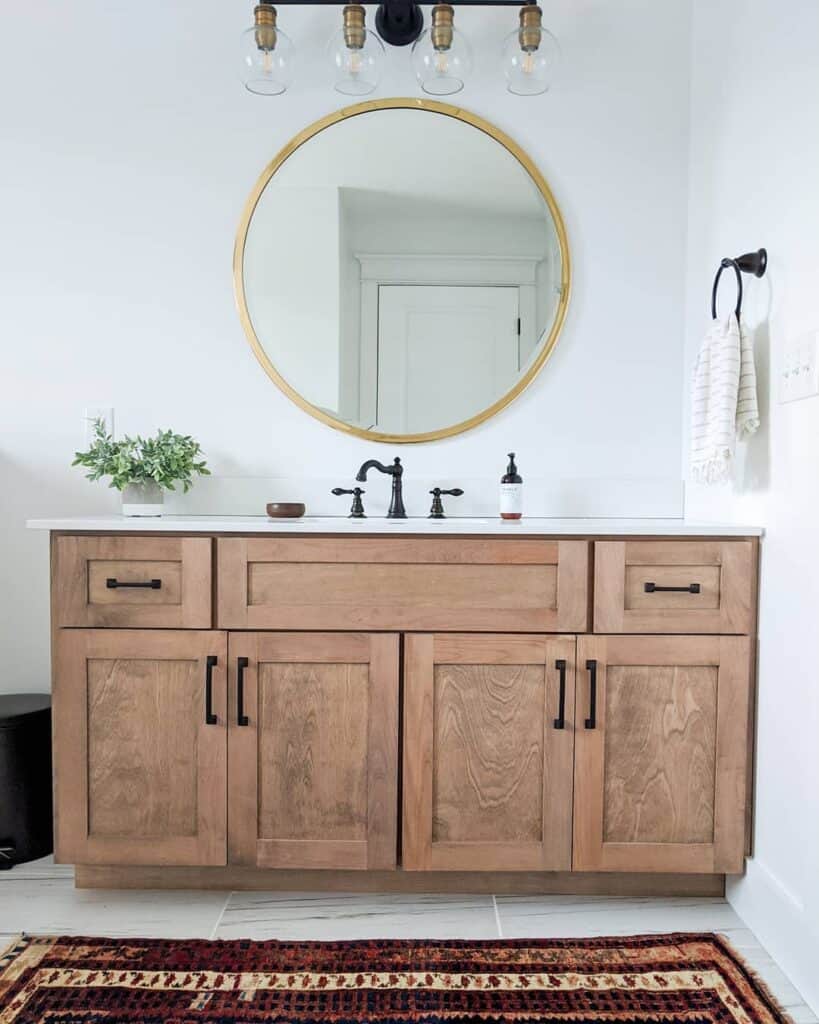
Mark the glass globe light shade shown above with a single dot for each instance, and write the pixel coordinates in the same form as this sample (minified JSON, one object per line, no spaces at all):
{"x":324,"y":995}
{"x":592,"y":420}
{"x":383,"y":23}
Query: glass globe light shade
{"x":441,"y":72}
{"x":266,"y":69}
{"x":530,"y":72}
{"x":357,"y":69}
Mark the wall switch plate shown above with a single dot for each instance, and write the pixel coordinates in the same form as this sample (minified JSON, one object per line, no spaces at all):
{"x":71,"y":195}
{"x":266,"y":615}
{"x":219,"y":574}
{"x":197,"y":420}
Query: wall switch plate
{"x":799,"y":374}
{"x":97,"y":412}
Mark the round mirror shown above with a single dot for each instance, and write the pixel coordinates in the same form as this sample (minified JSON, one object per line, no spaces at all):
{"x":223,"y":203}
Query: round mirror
{"x":402,"y":270}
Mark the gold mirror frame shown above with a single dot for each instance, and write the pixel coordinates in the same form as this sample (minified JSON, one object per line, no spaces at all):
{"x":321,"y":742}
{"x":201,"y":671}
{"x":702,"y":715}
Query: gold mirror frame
{"x":530,"y":168}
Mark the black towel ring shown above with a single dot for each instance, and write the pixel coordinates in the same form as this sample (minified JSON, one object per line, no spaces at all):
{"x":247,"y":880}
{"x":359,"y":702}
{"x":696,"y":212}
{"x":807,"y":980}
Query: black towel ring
{"x":754,"y":263}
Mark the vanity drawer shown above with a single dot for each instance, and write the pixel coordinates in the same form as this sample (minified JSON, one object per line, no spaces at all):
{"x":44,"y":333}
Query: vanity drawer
{"x":144,"y":582}
{"x":674,"y":586}
{"x":368,"y":583}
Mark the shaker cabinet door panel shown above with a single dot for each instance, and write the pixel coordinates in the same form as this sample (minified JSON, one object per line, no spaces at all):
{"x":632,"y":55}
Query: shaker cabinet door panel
{"x":488,"y":741}
{"x":661,"y":754}
{"x":313,"y":750}
{"x":140,"y":746}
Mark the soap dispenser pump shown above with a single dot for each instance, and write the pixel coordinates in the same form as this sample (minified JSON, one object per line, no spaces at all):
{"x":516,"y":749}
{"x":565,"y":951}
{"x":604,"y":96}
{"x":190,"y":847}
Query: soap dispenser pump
{"x":511,"y":491}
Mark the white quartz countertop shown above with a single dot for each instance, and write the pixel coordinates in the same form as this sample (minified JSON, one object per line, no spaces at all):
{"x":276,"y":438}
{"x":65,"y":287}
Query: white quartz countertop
{"x":425,"y":527}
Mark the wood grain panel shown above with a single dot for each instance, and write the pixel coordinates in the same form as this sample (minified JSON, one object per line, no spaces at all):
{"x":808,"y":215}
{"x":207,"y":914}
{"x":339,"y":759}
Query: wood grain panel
{"x":669,"y":746}
{"x":403,"y":550}
{"x":237,"y":877}
{"x":488,"y":740}
{"x":706,"y":576}
{"x":82,"y":564}
{"x":314,"y":772}
{"x":312,"y":746}
{"x":401,"y":583}
{"x":169,"y":573}
{"x":143,"y":777}
{"x":660,"y":754}
{"x":487,"y":777}
{"x":725,"y":571}
{"x":142,"y":770}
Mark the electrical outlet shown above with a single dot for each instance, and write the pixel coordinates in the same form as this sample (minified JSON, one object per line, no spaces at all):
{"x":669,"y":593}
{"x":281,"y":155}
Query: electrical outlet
{"x":799,"y":374}
{"x":97,"y":412}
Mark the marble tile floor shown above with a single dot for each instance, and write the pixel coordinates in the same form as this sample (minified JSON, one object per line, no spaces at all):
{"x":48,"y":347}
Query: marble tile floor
{"x":40,"y":897}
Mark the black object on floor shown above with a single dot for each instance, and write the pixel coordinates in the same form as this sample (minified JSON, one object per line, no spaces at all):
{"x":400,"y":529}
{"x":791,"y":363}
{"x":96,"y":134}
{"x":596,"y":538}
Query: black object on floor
{"x":26,"y":830}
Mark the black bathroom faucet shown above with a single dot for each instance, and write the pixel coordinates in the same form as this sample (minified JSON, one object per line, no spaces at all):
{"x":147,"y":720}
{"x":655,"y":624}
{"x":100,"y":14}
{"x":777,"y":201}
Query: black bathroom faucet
{"x":396,"y":471}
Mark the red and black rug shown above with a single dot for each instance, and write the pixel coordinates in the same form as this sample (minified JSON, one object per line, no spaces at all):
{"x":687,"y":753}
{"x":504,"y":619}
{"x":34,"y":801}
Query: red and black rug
{"x":663,"y":978}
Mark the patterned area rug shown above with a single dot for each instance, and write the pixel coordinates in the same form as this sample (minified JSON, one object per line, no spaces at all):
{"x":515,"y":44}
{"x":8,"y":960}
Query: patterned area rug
{"x":685,"y":978}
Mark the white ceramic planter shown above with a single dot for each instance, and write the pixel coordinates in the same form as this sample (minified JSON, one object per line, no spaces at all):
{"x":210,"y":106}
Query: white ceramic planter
{"x":143,"y":499}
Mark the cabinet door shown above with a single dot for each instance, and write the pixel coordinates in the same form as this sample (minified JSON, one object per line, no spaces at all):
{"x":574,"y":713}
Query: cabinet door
{"x":488,"y":741}
{"x":661,"y":753}
{"x":140,"y":746}
{"x":313,"y":750}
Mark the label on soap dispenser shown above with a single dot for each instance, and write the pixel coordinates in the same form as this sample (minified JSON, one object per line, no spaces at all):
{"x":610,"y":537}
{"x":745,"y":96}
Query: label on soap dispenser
{"x":511,"y":501}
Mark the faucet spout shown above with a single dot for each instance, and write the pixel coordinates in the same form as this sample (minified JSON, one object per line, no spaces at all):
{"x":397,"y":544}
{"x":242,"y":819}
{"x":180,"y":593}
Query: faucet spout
{"x":396,"y":471}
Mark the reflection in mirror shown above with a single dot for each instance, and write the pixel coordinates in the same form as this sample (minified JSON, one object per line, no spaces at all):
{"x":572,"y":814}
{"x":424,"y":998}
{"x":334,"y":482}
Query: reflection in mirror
{"x":402,"y":272}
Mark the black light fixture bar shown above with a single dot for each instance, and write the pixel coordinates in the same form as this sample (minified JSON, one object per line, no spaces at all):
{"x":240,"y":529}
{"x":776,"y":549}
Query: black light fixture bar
{"x":400,"y":22}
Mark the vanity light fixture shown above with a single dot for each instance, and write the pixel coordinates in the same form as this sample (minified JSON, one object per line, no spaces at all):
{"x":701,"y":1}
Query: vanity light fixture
{"x":441,"y":55}
{"x":357,"y":55}
{"x":530,"y":54}
{"x":267,"y":53}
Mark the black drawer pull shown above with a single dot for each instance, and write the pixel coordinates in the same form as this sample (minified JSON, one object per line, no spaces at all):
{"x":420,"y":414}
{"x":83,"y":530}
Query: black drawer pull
{"x":241,"y":717}
{"x":115,"y":584}
{"x":210,"y":662}
{"x":692,"y":588}
{"x":591,"y":721}
{"x":560,"y":721}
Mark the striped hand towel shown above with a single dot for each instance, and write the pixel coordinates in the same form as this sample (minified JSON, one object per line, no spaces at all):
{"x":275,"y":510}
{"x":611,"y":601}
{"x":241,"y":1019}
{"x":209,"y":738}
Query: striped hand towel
{"x":724,"y":406}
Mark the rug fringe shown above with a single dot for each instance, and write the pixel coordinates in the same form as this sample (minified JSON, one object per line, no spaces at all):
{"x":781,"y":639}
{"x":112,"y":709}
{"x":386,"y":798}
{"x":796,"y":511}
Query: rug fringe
{"x":7,"y":949}
{"x":754,"y":975}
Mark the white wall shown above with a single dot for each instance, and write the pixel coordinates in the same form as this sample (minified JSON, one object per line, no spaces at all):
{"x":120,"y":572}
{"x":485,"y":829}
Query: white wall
{"x":755,"y":181}
{"x":128,"y":151}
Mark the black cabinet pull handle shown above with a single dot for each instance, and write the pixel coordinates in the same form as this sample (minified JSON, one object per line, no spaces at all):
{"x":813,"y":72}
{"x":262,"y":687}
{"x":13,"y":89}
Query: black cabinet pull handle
{"x":115,"y":584}
{"x":210,"y":662}
{"x":591,"y":721}
{"x":652,"y":588}
{"x":241,"y":717}
{"x":560,"y":721}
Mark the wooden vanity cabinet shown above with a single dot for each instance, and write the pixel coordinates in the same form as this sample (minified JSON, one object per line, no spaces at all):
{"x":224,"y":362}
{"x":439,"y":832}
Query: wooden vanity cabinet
{"x":488,"y":749}
{"x":661,"y":753}
{"x":403,"y":710}
{"x":313,"y":750}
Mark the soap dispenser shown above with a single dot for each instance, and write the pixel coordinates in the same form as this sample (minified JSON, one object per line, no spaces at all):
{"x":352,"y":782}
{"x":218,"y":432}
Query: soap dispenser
{"x":511,"y":491}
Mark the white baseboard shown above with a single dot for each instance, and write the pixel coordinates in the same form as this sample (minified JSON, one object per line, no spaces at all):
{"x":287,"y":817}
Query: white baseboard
{"x":786,"y":928}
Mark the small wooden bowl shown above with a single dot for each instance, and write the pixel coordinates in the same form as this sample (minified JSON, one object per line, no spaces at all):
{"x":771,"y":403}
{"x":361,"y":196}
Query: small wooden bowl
{"x":285,"y":509}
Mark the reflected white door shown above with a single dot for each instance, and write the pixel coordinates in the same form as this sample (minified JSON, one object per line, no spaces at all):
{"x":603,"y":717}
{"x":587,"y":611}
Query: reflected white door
{"x":444,"y":352}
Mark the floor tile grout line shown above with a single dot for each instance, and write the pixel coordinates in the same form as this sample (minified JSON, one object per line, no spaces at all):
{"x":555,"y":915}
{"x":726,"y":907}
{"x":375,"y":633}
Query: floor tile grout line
{"x":215,"y":929}
{"x":497,"y":917}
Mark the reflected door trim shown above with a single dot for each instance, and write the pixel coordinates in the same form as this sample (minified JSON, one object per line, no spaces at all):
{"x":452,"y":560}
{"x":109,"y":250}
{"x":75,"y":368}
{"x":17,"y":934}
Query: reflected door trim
{"x":379,"y":269}
{"x":408,"y":103}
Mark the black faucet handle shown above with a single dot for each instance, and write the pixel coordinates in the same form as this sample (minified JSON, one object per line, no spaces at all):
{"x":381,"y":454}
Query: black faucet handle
{"x":357,"y":510}
{"x":437,"y":510}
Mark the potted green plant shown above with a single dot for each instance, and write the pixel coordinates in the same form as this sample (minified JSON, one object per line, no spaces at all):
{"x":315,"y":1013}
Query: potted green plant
{"x":143,"y":468}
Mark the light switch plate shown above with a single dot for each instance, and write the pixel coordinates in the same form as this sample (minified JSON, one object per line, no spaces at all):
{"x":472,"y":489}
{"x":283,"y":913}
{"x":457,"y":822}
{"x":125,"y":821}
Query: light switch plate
{"x":799,"y":374}
{"x":97,"y":412}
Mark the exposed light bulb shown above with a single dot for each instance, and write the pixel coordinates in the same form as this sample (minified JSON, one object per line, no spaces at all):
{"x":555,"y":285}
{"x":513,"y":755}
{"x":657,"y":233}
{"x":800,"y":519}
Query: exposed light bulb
{"x":267,"y":54}
{"x":441,"y":57}
{"x":356,"y":54}
{"x":441,"y":62}
{"x":530,"y":54}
